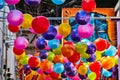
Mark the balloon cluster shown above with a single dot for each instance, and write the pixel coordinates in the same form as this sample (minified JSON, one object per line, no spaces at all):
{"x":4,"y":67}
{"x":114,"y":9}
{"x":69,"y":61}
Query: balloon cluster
{"x":76,"y":58}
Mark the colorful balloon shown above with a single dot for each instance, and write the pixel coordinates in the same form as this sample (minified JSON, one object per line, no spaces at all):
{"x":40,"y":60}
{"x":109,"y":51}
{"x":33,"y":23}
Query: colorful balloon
{"x":85,"y":31}
{"x":1,"y":4}
{"x":106,"y":73}
{"x":57,"y":50}
{"x":33,"y":62}
{"x":59,"y":59}
{"x":15,"y":17}
{"x":88,"y":5}
{"x":27,"y":21}
{"x":43,"y":54}
{"x":92,"y":76}
{"x":40,"y":24}
{"x":82,"y":70}
{"x":75,"y":57}
{"x":64,"y":75}
{"x":101,"y":44}
{"x":111,"y":51}
{"x":45,"y":65}
{"x":17,"y":51}
{"x":108,"y":62}
{"x":91,"y":48}
{"x":54,"y":75}
{"x":95,"y":66}
{"x":24,"y":60}
{"x":40,"y":43}
{"x":82,"y":17}
{"x":64,"y":29}
{"x":12,"y":2}
{"x":53,"y":43}
{"x":13,"y":28}
{"x":18,"y":57}
{"x":58,"y":68}
{"x":75,"y":36}
{"x":67,"y":50}
{"x":20,"y":43}
{"x":91,"y":58}
{"x":81,"y":47}
{"x":32,"y":2}
{"x":58,"y":2}
{"x":51,"y":56}
{"x":51,"y":33}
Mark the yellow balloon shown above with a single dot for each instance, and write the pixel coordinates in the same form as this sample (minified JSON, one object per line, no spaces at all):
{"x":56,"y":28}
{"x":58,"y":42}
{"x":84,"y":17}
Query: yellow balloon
{"x":64,"y":29}
{"x":27,"y":21}
{"x":82,"y":70}
{"x":98,"y":56}
{"x":20,"y":56}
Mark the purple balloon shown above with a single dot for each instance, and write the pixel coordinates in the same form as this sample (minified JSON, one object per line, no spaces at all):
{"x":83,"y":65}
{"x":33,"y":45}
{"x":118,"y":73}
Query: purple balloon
{"x":63,"y":74}
{"x":75,"y":36}
{"x":32,"y":2}
{"x":15,"y":17}
{"x":12,"y":2}
{"x":20,"y":43}
{"x":51,"y":33}
{"x":41,"y":43}
{"x":71,"y":73}
{"x":82,"y":76}
{"x":43,"y":54}
{"x":85,"y":31}
{"x":82,"y":17}
{"x":91,"y":58}
{"x":91,"y":48}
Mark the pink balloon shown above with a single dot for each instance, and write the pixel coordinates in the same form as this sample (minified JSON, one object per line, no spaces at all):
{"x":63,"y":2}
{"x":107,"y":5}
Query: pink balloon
{"x":85,"y":31}
{"x":40,"y":71}
{"x":15,"y":17}
{"x":75,"y":77}
{"x":20,"y":43}
{"x":58,"y":36}
{"x":12,"y":1}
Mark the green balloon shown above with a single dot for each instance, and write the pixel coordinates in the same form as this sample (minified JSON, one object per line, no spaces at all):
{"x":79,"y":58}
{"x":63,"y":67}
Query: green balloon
{"x":51,"y":56}
{"x":57,"y":51}
{"x":85,"y":55}
{"x":81,"y":47}
{"x":24,"y":60}
{"x":92,"y":76}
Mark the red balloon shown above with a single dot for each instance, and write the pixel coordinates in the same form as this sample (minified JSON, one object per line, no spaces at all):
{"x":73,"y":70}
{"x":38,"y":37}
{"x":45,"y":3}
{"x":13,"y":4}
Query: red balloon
{"x":33,"y":62}
{"x":54,"y":75}
{"x":17,"y":51}
{"x":108,"y":44}
{"x":101,"y":44}
{"x":40,"y":24}
{"x":75,"y":57}
{"x":88,"y":5}
{"x":13,"y":28}
{"x":69,"y":42}
{"x":95,"y":66}
{"x":98,"y":75}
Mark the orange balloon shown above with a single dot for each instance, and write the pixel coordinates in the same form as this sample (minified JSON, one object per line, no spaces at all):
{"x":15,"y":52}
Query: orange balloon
{"x":59,"y":59}
{"x":67,"y":50}
{"x":37,"y":54}
{"x":45,"y":65}
{"x":108,"y":62}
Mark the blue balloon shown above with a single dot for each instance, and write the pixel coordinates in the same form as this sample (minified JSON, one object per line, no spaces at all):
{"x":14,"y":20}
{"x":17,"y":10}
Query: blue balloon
{"x":85,"y":41}
{"x":58,"y":68}
{"x":71,"y":73}
{"x":82,"y":17}
{"x":32,"y":2}
{"x":75,"y":36}
{"x":106,"y":73}
{"x":43,"y":54}
{"x":53,"y":43}
{"x":91,"y":48}
{"x":41,"y":43}
{"x":111,"y":51}
{"x":51,"y":33}
{"x":1,"y":4}
{"x":58,"y":2}
{"x":68,"y":66}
